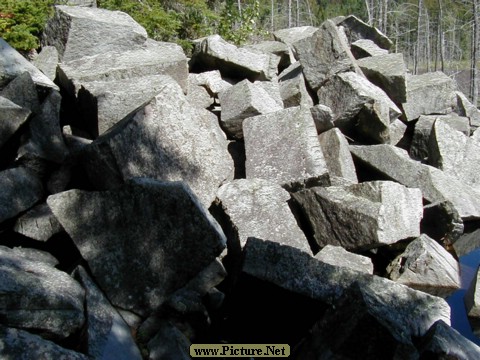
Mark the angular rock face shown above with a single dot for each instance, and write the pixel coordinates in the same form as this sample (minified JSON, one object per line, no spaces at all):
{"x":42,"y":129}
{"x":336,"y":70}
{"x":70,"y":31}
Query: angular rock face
{"x":21,"y":345}
{"x":23,"y":92}
{"x":466,"y":243}
{"x":21,"y":189}
{"x":277,"y":48}
{"x":105,"y":103}
{"x":444,"y":342}
{"x":258,"y":208}
{"x":363,"y":48}
{"x":338,"y":256}
{"x":107,"y":333}
{"x":80,"y":31}
{"x":425,"y":265}
{"x":283,"y":147}
{"x":356,"y":29}
{"x":152,"y":58}
{"x":241,"y":101}
{"x":292,"y":87}
{"x":356,"y":322}
{"x":436,"y":186}
{"x":362,"y":216}
{"x":12,"y":64}
{"x":395,"y":304}
{"x":149,"y":237}
{"x":47,"y":61}
{"x":455,"y":153}
{"x":430,"y":93}
{"x":12,"y":117}
{"x":466,"y":108}
{"x":387,"y":72}
{"x":472,"y":303}
{"x":214,"y":53}
{"x":337,"y":155}
{"x":39,"y":223}
{"x":324,"y":54}
{"x":291,"y":35}
{"x":166,"y":140}
{"x":39,"y":298}
{"x":350,"y":95}
{"x":323,"y":118}
{"x":46,"y":139}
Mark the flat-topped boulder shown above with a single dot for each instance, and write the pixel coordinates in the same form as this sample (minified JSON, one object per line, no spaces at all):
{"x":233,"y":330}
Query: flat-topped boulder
{"x":363,"y":48}
{"x":436,"y":186}
{"x":152,"y":58}
{"x":338,"y":256}
{"x":243,"y":100}
{"x":353,"y":99}
{"x":283,"y":147}
{"x":361,"y":216}
{"x":429,"y":93}
{"x":389,"y":73}
{"x":214,"y":53}
{"x":82,"y":31}
{"x":356,"y":29}
{"x":258,"y":208}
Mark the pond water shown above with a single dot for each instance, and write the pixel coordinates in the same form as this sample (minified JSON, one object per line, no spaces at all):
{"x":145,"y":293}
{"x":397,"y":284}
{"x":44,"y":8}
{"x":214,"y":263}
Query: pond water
{"x":468,"y":266}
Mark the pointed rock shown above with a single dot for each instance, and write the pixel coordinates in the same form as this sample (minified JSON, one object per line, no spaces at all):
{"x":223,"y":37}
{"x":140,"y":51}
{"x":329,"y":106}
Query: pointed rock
{"x":243,"y":100}
{"x":466,"y":108}
{"x":472,"y":303}
{"x":436,"y":186}
{"x":323,"y":117}
{"x":429,"y":93}
{"x":356,"y":29}
{"x":47,"y":61}
{"x":467,"y":243}
{"x":46,"y":138}
{"x":102,"y":104}
{"x":426,"y":266}
{"x":444,"y":342}
{"x":107,"y":334}
{"x":149,"y":236}
{"x":277,"y":48}
{"x":455,"y":153}
{"x":166,"y":140}
{"x":361,"y":216}
{"x":13,"y":64}
{"x":283,"y":147}
{"x":38,"y":297}
{"x":324,"y":54}
{"x":259,"y":208}
{"x":293,"y":89}
{"x":337,"y":155}
{"x":23,"y":92}
{"x":80,"y":31}
{"x":12,"y":117}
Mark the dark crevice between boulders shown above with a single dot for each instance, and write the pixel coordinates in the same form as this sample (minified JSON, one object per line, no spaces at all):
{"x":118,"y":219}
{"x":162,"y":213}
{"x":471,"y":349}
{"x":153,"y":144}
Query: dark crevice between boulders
{"x":303,"y":224}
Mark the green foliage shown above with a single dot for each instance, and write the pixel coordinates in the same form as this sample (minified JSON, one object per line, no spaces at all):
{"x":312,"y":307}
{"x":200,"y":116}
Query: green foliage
{"x":22,"y":21}
{"x":239,"y":27}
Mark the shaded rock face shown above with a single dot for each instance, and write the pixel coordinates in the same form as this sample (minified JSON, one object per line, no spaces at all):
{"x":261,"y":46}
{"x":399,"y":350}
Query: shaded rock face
{"x":107,"y":228}
{"x":108,"y":249}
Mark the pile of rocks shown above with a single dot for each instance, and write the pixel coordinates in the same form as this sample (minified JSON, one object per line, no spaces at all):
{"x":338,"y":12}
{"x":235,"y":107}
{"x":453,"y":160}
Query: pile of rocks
{"x":299,"y":191}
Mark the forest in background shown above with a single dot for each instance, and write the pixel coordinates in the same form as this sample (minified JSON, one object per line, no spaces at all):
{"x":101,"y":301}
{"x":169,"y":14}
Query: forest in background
{"x":431,"y":34}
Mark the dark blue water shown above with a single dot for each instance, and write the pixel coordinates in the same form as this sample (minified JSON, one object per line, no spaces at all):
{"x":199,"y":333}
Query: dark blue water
{"x":468,"y":266}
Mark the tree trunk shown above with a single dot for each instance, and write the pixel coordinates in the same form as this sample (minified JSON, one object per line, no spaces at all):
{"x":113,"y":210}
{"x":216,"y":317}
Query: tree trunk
{"x":289,"y":13}
{"x":272,"y":25}
{"x":419,"y":44}
{"x":475,"y":53}
{"x":309,"y":12}
{"x":427,"y":40}
{"x":369,"y":12}
{"x":297,"y":21}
